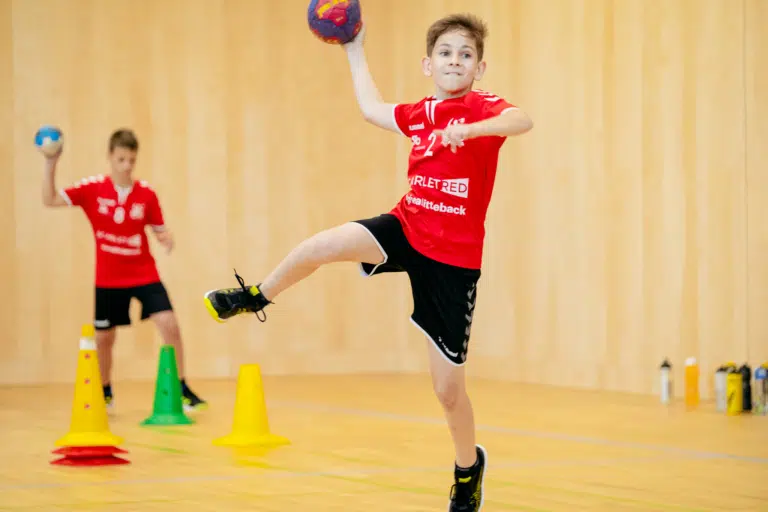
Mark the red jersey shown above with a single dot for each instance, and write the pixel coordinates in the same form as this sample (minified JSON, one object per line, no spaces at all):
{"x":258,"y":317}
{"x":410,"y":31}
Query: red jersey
{"x":443,"y":213}
{"x":118,"y":217}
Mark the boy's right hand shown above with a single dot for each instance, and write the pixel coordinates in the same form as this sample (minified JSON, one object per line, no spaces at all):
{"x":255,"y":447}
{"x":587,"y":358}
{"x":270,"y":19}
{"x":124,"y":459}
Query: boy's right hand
{"x":51,"y":160}
{"x":357,"y":42}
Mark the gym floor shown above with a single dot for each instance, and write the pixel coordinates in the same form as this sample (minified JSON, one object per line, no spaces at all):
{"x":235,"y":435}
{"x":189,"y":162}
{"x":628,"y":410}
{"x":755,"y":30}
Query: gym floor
{"x":379,"y":443}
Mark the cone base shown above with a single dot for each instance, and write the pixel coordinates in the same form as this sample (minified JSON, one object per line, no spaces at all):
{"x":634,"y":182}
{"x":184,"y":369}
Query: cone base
{"x":89,"y":439}
{"x":251,"y":440}
{"x":108,"y":460}
{"x":88,"y":451}
{"x":168,"y":419}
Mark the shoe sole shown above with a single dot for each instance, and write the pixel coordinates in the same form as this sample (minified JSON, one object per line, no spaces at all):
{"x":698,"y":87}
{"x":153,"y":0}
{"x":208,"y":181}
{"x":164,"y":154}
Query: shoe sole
{"x":210,"y":308}
{"x":482,"y":482}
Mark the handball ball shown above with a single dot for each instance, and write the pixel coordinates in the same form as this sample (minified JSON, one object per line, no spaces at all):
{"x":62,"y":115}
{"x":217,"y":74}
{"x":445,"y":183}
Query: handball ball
{"x":49,"y":140}
{"x":335,"y":21}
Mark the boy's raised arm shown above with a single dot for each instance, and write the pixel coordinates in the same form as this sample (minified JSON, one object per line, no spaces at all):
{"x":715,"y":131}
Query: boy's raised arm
{"x":374,"y":110}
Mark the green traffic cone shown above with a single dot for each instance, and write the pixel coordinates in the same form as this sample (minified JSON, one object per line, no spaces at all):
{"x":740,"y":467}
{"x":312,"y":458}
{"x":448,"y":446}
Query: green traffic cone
{"x":168,"y":408}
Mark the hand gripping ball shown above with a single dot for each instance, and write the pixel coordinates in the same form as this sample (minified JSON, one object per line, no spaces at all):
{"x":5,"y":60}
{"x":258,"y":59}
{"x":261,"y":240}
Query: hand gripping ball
{"x":334,"y":21}
{"x":49,"y":140}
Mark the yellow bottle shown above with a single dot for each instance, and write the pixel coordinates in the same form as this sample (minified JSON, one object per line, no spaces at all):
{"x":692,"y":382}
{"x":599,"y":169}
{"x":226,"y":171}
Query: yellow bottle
{"x":734,"y":392}
{"x":691,"y":382}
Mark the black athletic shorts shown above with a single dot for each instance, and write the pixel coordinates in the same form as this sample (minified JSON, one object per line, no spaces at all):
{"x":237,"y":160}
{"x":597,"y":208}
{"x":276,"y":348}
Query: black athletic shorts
{"x":112,"y":304}
{"x":443,"y":295}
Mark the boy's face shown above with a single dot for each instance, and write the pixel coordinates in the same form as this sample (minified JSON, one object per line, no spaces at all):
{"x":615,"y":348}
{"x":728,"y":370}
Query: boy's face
{"x":122,"y":160}
{"x":454,"y":63}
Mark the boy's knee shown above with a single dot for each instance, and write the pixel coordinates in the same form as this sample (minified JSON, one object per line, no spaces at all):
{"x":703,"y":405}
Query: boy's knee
{"x":448,"y":391}
{"x":105,"y":337}
{"x":168,"y":325}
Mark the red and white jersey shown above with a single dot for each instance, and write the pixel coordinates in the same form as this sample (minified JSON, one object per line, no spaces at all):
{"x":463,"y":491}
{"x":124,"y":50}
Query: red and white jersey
{"x":443,"y":213}
{"x":118,"y":217}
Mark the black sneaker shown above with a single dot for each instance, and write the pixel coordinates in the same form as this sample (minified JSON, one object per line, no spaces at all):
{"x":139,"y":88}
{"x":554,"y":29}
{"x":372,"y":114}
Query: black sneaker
{"x":190,"y":400}
{"x":109,"y":398}
{"x":467,"y":492}
{"x":225,"y":303}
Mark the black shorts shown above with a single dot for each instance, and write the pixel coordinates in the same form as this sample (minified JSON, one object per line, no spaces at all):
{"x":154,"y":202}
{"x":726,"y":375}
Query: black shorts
{"x":443,"y":295}
{"x":112,"y":304}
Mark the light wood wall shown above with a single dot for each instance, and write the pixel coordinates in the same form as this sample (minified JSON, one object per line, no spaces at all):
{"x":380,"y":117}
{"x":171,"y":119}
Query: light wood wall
{"x":628,"y":226}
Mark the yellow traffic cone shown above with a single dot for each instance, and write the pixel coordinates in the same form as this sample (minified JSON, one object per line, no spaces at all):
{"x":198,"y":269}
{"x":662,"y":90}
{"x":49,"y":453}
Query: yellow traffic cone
{"x":89,"y":425}
{"x":250,"y":426}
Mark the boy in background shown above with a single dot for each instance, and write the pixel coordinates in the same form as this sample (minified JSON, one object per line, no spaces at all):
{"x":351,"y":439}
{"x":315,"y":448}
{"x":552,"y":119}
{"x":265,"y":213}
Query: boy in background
{"x":119,"y":209}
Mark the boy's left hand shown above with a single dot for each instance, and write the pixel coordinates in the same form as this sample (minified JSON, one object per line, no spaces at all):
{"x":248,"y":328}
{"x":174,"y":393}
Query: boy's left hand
{"x":454,"y":135}
{"x":166,"y":240}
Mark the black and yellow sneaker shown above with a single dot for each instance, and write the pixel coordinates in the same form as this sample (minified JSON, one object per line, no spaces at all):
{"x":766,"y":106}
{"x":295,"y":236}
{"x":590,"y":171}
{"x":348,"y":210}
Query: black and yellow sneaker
{"x":109,"y":398}
{"x":191,"y":401}
{"x":467,"y":492}
{"x":225,"y":303}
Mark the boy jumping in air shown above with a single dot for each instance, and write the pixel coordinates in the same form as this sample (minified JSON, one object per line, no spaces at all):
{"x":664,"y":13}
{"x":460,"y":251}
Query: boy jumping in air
{"x":434,"y":234}
{"x":119,"y":209}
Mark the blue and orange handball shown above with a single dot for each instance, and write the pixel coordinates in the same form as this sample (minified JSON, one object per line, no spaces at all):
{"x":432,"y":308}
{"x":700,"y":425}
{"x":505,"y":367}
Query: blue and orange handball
{"x":334,"y":21}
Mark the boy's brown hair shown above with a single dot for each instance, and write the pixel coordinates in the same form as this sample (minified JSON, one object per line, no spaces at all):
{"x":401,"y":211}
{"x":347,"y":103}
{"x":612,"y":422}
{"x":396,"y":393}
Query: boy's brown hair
{"x":473,"y":26}
{"x":123,"y":138}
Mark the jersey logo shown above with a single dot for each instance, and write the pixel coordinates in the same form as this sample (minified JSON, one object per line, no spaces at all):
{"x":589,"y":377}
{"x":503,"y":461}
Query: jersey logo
{"x":104,"y":205}
{"x":458,"y":187}
{"x":119,"y":215}
{"x":137,"y":211}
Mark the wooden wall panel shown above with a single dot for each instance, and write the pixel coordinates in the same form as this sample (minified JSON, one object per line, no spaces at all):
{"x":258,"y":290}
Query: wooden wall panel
{"x":11,"y":350}
{"x":757,"y":177}
{"x":622,"y":228}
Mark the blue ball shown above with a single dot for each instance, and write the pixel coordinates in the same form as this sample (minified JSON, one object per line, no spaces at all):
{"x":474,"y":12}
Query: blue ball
{"x":334,"y":21}
{"x":49,"y":139}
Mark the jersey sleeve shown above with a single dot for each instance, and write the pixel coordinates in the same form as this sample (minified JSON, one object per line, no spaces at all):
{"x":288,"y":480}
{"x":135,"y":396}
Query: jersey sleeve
{"x":80,"y":193}
{"x":155,"y":218}
{"x":492,"y":105}
{"x":403,"y":113}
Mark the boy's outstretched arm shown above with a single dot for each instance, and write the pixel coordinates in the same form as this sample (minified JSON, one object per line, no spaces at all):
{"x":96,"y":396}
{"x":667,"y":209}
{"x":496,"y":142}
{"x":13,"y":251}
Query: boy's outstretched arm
{"x":49,"y":195}
{"x":508,"y":124}
{"x":374,"y":110}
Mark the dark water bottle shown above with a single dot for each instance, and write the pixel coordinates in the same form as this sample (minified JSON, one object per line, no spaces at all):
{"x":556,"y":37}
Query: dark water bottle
{"x":746,"y":387}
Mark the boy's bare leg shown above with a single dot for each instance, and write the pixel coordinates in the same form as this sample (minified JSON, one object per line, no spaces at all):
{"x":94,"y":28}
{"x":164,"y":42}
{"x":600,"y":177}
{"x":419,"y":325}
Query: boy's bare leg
{"x":448,"y":381}
{"x":449,"y":385}
{"x":105,"y":343}
{"x":168,"y":326}
{"x":347,"y":242}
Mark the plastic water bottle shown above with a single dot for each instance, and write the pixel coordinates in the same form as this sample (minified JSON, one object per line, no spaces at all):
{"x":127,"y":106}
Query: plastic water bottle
{"x":691,"y":382}
{"x":666,"y":382}
{"x":761,"y":389}
{"x":721,"y":398}
{"x":734,"y":391}
{"x":746,"y":385}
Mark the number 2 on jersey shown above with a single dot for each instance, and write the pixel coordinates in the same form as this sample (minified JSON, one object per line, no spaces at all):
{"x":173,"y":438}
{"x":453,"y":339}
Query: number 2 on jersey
{"x":432,"y":139}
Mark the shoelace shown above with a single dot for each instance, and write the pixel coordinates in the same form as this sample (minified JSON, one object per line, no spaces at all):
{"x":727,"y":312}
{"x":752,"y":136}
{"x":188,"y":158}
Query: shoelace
{"x":245,"y":290}
{"x":461,"y":496}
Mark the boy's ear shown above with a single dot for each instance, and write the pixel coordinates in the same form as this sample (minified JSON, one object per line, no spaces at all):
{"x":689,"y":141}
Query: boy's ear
{"x":426,"y":66}
{"x":480,"y":70}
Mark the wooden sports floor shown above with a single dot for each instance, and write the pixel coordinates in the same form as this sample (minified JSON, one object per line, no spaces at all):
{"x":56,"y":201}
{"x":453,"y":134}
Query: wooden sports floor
{"x":378,"y":443}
